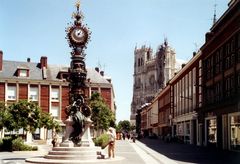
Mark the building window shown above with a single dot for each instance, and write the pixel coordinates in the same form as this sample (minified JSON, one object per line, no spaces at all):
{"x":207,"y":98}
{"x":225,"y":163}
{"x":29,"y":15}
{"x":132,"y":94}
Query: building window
{"x":232,"y":59}
{"x":180,"y":129}
{"x":228,"y":50}
{"x":227,"y":62}
{"x":238,"y":80}
{"x":227,"y":87}
{"x":33,"y":94}
{"x":187,"y":129}
{"x":212,"y":131}
{"x":233,"y":45}
{"x":235,"y":132}
{"x":94,"y":90}
{"x":23,"y":73}
{"x":54,"y":111}
{"x":238,"y":40}
{"x":11,"y":93}
{"x":152,"y":81}
{"x":238,"y":56}
{"x":209,"y":68}
{"x":55,"y":94}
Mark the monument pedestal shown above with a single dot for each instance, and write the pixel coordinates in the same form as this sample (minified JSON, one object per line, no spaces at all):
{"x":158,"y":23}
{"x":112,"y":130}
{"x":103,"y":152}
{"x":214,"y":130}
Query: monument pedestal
{"x":86,"y":139}
{"x":67,"y":152}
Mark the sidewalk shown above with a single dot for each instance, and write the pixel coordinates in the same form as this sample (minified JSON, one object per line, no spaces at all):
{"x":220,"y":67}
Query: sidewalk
{"x":130,"y":151}
{"x":184,"y":153}
{"x":145,"y":151}
{"x":133,"y":153}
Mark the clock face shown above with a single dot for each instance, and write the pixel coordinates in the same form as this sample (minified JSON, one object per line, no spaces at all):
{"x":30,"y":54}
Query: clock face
{"x":78,"y":35}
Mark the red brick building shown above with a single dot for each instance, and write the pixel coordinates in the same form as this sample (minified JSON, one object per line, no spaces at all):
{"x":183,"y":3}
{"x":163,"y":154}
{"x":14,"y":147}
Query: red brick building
{"x":46,"y":84}
{"x":220,"y":114}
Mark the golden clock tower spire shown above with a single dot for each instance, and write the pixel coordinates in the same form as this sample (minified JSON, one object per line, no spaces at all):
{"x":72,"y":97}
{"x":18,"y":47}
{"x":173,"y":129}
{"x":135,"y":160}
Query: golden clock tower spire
{"x":77,"y":4}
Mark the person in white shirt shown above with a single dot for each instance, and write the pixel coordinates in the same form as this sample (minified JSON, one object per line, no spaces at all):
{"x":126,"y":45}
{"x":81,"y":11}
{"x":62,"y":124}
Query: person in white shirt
{"x":111,"y":144}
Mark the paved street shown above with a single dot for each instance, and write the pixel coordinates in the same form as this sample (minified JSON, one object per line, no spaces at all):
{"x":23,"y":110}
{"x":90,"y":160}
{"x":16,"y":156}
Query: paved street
{"x":145,"y":151}
{"x":183,"y":153}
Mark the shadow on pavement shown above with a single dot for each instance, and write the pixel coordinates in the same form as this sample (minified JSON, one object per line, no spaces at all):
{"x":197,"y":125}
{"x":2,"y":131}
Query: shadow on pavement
{"x":192,"y":153}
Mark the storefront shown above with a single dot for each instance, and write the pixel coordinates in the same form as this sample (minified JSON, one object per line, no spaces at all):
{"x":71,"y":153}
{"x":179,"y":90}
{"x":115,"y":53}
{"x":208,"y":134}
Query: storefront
{"x":234,"y":131}
{"x":186,"y":128}
{"x":211,"y":131}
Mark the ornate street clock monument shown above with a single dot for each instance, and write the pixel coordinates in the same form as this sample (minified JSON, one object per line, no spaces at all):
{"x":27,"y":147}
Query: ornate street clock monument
{"x":78,"y":112}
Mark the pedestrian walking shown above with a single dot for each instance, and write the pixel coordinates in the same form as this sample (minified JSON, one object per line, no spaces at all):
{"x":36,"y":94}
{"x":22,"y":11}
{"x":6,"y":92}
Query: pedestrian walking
{"x":111,"y":144}
{"x":55,"y":140}
{"x":123,"y":134}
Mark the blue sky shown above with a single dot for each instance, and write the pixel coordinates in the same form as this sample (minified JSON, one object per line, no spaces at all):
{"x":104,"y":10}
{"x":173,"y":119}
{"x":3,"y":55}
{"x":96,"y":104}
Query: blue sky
{"x":35,"y":28}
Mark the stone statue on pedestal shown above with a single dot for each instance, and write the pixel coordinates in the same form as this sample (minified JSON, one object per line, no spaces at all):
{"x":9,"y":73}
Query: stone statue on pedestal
{"x":80,"y":114}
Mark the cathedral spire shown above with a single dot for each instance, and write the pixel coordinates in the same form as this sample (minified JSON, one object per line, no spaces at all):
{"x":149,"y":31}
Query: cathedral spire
{"x":165,"y":41}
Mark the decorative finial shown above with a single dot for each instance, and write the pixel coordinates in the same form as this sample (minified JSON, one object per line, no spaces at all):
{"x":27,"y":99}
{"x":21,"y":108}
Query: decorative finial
{"x":214,"y":16}
{"x":78,"y":4}
{"x":77,"y":15}
{"x":166,"y":41}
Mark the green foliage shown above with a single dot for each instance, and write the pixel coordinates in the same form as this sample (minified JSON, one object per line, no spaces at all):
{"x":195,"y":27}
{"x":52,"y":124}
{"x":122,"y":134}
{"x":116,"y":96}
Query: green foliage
{"x":15,"y":144}
{"x":1,"y":144}
{"x":18,"y":145}
{"x":6,"y":119}
{"x":102,"y":140}
{"x":48,"y":122}
{"x":25,"y":114}
{"x":2,"y":114}
{"x":124,"y":125}
{"x":7,"y":144}
{"x":102,"y":116}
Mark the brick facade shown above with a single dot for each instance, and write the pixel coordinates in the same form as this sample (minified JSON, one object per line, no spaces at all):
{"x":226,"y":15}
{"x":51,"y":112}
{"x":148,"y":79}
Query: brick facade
{"x":42,"y":81}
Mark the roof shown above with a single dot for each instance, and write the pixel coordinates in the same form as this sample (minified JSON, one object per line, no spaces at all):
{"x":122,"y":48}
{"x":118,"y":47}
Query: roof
{"x":36,"y":73}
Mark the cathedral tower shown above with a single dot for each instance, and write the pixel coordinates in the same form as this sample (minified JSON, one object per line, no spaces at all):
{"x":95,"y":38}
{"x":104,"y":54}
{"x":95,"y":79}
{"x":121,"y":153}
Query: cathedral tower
{"x":151,"y":73}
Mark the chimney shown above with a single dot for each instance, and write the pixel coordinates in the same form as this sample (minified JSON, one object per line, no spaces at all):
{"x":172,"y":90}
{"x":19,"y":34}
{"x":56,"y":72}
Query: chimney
{"x":194,"y":53}
{"x":43,"y":62}
{"x":28,"y":60}
{"x":102,"y":73}
{"x":183,"y":65}
{"x":208,"y":36}
{"x":1,"y":60}
{"x":97,"y":69}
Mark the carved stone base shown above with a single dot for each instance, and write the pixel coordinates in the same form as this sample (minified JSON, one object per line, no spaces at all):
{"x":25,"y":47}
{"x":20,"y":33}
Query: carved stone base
{"x":67,"y":152}
{"x":86,"y":139}
{"x":67,"y":143}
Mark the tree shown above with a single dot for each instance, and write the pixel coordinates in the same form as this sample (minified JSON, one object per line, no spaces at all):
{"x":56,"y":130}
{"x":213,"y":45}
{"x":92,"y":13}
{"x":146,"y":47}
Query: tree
{"x":2,"y":115}
{"x":25,"y":115}
{"x":48,"y":122}
{"x":29,"y":116}
{"x":6,"y":119}
{"x":124,"y":126}
{"x":102,"y":116}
